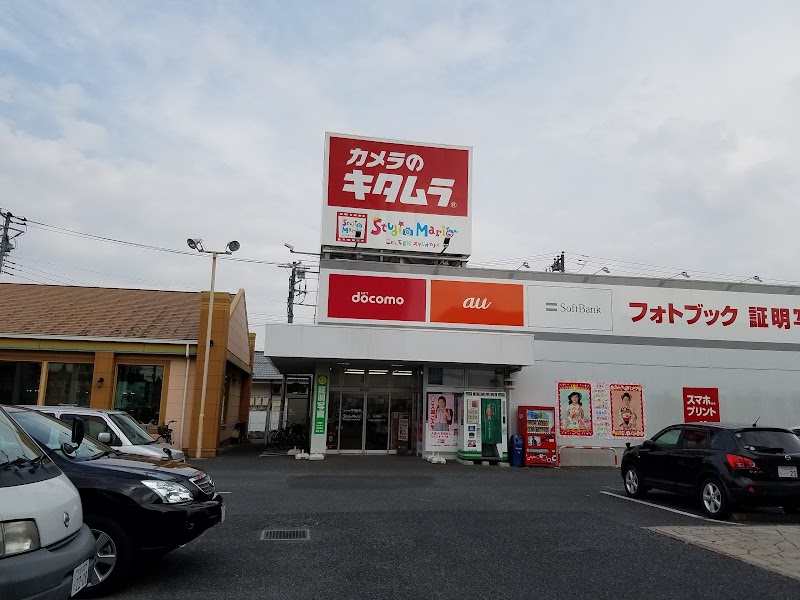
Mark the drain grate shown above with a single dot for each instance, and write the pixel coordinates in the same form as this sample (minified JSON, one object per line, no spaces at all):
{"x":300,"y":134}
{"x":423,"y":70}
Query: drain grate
{"x":281,"y":535}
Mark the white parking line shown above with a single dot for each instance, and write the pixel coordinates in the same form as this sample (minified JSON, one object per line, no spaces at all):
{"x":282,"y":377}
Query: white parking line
{"x":672,"y":510}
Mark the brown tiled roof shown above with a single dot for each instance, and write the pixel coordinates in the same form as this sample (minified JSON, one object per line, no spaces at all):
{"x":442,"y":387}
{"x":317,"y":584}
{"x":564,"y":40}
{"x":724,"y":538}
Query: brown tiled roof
{"x":98,"y":312}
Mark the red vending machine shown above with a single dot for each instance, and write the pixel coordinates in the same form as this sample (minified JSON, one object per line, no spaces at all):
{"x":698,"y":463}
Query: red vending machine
{"x":537,"y":426}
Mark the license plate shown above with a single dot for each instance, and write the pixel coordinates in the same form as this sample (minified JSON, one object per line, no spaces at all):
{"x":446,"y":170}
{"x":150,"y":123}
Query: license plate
{"x":787,"y":471}
{"x":80,"y":577}
{"x":222,"y":520}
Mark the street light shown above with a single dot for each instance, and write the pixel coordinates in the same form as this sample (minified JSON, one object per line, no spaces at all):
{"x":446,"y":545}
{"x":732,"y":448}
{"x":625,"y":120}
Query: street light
{"x":230,"y":248}
{"x":681,"y":274}
{"x":525,"y":265}
{"x":603,"y":270}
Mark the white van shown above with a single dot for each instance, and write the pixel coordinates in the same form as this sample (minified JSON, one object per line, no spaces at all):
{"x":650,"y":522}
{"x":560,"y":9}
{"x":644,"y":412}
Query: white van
{"x":117,"y":429}
{"x":46,"y":552}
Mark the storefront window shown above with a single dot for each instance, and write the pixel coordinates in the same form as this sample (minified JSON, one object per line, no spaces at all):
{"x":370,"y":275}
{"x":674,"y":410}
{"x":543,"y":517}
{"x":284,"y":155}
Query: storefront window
{"x":403,"y":378}
{"x":378,"y":378}
{"x":353,"y":378}
{"x":446,"y":376}
{"x":139,"y":391}
{"x":483,"y":378}
{"x":19,"y":382}
{"x":68,"y":384}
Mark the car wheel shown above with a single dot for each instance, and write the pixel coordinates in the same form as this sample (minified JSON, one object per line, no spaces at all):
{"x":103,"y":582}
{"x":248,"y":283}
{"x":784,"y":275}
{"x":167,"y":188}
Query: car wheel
{"x":113,"y":556}
{"x":633,"y":482}
{"x":714,"y":499}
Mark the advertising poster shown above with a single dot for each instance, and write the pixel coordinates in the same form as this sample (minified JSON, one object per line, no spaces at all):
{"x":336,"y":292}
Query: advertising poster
{"x":627,"y":410}
{"x":601,"y":410}
{"x":491,"y":421}
{"x":575,"y":409}
{"x":441,"y":425}
{"x":402,"y":430}
{"x":701,"y":405}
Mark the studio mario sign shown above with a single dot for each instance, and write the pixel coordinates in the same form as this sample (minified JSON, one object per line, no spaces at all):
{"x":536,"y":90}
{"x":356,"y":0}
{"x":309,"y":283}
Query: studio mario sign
{"x":388,"y":194}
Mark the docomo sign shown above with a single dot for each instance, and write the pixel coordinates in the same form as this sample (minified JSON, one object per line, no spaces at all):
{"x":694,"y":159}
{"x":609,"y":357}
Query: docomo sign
{"x":397,"y":176}
{"x":367,"y":299}
{"x":376,"y":298}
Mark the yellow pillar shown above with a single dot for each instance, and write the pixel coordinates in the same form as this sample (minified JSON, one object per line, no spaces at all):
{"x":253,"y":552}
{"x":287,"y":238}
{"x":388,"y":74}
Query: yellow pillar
{"x":103,"y":391}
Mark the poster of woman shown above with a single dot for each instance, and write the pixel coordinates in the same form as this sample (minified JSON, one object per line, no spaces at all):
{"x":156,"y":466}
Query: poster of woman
{"x":627,"y":410}
{"x":441,"y":414}
{"x":575,"y":408}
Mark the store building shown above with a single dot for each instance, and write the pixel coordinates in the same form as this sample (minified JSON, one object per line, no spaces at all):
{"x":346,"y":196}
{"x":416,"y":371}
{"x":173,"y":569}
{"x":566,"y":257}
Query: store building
{"x":138,"y":350}
{"x":415,"y":352}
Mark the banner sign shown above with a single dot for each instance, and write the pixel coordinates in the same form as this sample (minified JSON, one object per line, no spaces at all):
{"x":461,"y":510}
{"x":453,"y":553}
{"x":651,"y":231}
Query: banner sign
{"x":701,"y":405}
{"x":376,"y":298}
{"x":321,"y":405}
{"x":395,"y":195}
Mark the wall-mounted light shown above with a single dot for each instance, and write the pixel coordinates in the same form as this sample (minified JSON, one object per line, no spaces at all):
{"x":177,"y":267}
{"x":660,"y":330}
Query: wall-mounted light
{"x":100,"y":382}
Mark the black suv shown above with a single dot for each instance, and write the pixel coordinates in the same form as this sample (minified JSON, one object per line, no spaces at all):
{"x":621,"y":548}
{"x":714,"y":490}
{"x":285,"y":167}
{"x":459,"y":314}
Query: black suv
{"x":723,"y":465}
{"x":133,"y":505}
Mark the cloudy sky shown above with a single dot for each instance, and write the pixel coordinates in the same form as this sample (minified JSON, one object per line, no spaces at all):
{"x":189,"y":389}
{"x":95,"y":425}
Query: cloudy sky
{"x":648,"y":137}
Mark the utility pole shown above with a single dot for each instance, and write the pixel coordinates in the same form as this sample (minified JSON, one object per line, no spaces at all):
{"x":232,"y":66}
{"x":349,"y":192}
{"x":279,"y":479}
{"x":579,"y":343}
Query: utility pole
{"x":297,"y":275}
{"x":558,"y":264}
{"x":5,"y":236}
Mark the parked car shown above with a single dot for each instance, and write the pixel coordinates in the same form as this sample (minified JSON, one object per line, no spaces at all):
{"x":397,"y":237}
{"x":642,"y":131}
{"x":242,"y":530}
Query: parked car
{"x":115,"y":428}
{"x":46,"y":551}
{"x":725,"y":466}
{"x":132,"y":504}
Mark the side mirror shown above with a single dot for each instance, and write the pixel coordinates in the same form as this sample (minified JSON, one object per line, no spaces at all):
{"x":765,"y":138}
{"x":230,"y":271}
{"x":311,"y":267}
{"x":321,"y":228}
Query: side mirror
{"x":78,"y":431}
{"x":104,"y":437}
{"x":649,"y":444}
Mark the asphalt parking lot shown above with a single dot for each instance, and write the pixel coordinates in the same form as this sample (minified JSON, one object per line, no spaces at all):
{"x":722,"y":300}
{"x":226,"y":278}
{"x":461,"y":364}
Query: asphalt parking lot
{"x":399,"y":527}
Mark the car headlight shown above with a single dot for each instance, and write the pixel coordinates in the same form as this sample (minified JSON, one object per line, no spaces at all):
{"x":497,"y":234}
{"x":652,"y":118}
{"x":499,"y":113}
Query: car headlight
{"x":169,"y":491}
{"x":17,"y":537}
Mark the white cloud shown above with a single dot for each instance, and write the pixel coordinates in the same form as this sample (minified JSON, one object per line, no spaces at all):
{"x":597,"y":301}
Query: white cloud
{"x":664,"y":135}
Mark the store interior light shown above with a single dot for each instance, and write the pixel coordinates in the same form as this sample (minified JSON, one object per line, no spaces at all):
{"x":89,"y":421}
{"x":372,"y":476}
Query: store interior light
{"x":378,"y":371}
{"x":354,"y":371}
{"x":402,"y":373}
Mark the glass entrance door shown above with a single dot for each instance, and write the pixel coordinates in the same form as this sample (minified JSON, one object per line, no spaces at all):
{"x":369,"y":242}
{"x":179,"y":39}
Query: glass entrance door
{"x":351,"y":432}
{"x":376,"y":434}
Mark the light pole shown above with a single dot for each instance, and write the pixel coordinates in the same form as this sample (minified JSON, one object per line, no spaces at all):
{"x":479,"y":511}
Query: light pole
{"x":197,"y":244}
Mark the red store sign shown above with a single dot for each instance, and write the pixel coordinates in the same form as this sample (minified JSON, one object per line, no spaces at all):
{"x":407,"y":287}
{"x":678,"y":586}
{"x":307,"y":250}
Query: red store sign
{"x":376,"y":298}
{"x":371,"y":174}
{"x":701,"y":404}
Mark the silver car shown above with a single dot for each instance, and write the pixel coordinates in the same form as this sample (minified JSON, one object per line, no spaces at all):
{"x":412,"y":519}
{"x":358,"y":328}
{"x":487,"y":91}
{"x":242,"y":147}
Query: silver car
{"x":117,"y":429}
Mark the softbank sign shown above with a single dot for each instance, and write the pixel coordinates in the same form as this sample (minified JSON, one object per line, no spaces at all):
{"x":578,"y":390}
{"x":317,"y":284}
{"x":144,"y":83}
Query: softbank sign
{"x":376,"y":298}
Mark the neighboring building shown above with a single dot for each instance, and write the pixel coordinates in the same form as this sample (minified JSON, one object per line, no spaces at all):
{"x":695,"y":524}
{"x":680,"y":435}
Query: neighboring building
{"x":269,"y":410}
{"x":138,"y":350}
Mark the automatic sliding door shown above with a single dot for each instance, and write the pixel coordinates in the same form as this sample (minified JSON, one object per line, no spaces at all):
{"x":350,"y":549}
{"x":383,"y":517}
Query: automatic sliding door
{"x":377,"y":431}
{"x":351,"y":433}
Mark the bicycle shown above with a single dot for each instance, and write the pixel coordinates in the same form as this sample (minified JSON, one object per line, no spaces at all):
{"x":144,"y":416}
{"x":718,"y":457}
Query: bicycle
{"x":165,"y":433}
{"x":292,"y":435}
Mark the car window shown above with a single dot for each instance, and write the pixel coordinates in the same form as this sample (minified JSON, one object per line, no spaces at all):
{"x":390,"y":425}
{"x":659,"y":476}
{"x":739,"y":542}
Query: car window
{"x":768,"y":440}
{"x":94,"y":426}
{"x":13,"y":443}
{"x":720,"y":440}
{"x":131,"y":428}
{"x":51,"y":433}
{"x":668,"y":439}
{"x":695,"y":439}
